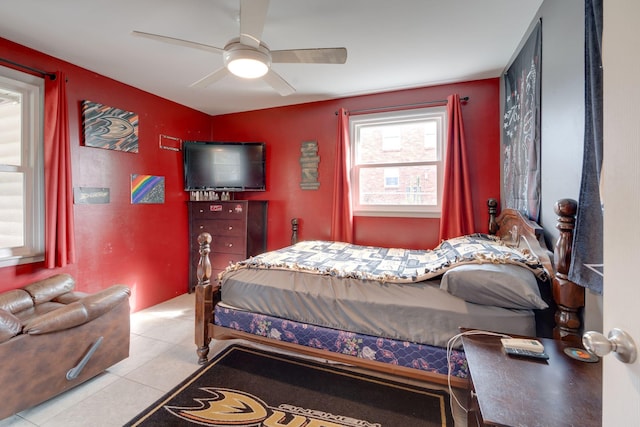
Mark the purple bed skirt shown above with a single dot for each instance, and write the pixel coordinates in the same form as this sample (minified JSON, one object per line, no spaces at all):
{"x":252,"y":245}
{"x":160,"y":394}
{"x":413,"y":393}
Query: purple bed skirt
{"x":402,"y":353}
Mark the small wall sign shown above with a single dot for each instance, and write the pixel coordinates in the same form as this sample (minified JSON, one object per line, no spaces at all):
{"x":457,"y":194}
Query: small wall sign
{"x":309,"y":161}
{"x":91,"y":195}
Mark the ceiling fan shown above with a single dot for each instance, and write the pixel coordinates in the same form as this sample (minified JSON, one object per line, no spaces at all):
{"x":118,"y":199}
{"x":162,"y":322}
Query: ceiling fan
{"x":248,"y":57}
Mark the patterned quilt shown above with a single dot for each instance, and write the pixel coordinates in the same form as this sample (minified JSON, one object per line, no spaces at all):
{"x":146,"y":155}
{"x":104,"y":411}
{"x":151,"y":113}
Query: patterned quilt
{"x":392,"y":265}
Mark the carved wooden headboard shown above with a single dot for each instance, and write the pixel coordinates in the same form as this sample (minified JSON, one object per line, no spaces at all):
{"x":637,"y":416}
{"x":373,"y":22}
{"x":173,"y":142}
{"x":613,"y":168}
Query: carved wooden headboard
{"x":515,"y":229}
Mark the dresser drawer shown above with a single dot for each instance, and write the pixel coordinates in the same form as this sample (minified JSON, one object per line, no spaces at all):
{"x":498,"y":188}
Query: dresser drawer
{"x":229,"y":227}
{"x":219,"y":262}
{"x":229,"y":245}
{"x":219,"y":210}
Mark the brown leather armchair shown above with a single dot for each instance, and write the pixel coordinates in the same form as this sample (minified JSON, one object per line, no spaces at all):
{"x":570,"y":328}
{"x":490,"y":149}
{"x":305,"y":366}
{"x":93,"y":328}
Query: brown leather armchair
{"x":53,"y":338}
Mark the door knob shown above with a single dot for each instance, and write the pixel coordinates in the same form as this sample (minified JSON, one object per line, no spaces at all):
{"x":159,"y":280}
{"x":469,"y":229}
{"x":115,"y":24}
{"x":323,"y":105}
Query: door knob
{"x":618,"y":341}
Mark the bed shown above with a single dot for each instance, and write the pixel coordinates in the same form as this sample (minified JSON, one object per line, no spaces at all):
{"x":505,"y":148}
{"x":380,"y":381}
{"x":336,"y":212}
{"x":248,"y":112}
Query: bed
{"x":395,"y":310}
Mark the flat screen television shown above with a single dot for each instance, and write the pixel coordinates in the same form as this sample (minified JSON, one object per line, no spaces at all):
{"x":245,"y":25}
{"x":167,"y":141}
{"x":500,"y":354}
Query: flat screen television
{"x":224,"y":166}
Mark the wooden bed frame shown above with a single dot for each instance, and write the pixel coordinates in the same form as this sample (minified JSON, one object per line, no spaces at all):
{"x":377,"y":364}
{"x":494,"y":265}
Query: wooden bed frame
{"x":510,"y":225}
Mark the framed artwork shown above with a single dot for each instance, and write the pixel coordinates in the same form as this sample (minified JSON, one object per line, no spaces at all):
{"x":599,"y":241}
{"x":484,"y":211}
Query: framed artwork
{"x":521,"y":129}
{"x":109,"y":128}
{"x":147,"y":189}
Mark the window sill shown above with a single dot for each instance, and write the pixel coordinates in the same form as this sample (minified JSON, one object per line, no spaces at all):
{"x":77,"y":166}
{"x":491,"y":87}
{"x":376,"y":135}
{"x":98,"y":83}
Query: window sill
{"x":19,"y":260}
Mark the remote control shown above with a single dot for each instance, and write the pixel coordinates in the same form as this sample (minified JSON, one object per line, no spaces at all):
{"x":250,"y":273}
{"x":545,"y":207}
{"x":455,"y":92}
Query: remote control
{"x":523,"y":344}
{"x":518,"y":352}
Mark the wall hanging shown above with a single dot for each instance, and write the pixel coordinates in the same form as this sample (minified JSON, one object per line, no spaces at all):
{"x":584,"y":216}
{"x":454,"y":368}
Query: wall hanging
{"x":91,"y":195}
{"x":147,"y":189}
{"x":521,"y":129}
{"x":309,"y":161}
{"x":110,"y":128}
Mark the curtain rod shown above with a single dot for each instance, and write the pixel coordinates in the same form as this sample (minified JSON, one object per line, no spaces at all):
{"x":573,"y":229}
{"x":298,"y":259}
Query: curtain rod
{"x":52,"y":76}
{"x":392,"y":107}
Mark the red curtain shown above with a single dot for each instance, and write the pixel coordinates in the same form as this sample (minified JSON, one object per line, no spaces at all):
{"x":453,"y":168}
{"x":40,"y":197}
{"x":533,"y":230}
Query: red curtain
{"x":59,"y":227}
{"x":457,"y":210}
{"x":342,"y":215}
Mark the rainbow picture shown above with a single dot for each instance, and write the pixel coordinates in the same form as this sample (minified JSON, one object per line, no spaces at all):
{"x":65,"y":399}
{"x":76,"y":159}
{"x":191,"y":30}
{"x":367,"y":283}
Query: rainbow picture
{"x":147,"y":189}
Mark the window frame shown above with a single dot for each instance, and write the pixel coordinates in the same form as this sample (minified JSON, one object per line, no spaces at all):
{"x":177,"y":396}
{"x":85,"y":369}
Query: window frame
{"x":356,"y":122}
{"x":32,"y":165}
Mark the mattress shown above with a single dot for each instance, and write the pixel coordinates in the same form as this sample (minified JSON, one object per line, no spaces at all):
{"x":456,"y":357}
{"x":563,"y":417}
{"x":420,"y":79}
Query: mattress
{"x":401,"y":353}
{"x":418,"y":312}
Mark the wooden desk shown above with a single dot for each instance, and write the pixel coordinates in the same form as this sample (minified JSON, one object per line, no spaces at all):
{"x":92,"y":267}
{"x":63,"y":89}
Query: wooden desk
{"x":508,"y":391}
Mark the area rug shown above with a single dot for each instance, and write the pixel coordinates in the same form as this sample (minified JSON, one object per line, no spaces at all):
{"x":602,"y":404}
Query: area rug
{"x":245,"y":386}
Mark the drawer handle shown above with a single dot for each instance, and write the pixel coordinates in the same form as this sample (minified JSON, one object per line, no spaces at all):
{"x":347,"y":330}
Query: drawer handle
{"x":229,"y":245}
{"x":231,"y":227}
{"x":201,"y":227}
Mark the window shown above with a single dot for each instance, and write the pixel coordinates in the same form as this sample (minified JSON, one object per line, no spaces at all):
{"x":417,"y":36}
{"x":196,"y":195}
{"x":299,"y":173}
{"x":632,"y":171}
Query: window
{"x":391,"y":177}
{"x":397,"y":161}
{"x":21,"y":168}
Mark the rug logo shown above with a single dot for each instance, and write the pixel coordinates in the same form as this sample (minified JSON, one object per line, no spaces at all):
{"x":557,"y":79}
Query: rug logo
{"x":226,"y":407}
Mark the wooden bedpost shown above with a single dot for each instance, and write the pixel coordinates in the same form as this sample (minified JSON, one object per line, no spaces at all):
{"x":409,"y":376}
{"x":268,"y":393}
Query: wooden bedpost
{"x":568,"y":296}
{"x":204,"y":299}
{"x":294,"y":231}
{"x":493,"y":210}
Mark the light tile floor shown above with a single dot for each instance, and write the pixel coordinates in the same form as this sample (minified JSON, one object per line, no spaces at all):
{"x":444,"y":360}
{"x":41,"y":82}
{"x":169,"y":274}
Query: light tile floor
{"x":161,"y":355}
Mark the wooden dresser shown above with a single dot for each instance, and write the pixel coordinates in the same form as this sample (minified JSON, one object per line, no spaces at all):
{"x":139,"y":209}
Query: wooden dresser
{"x":238,"y":230}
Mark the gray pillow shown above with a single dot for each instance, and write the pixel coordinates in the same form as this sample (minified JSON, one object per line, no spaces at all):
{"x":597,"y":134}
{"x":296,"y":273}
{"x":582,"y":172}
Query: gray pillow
{"x":501,"y":285}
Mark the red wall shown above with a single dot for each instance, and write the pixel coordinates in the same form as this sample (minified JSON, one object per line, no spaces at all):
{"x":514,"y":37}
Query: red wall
{"x":142,"y":246}
{"x":285,"y":128}
{"x":146,"y":246}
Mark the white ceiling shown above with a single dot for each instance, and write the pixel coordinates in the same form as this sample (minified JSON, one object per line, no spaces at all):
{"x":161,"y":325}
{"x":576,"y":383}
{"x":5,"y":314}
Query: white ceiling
{"x":391,"y":44}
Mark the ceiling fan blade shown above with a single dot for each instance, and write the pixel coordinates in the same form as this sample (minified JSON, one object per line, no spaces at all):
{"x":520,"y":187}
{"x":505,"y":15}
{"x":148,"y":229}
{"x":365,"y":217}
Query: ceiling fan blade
{"x":179,"y":42}
{"x":210,"y":78}
{"x":337,"y":55}
{"x":253,"y":14}
{"x":278,"y":83}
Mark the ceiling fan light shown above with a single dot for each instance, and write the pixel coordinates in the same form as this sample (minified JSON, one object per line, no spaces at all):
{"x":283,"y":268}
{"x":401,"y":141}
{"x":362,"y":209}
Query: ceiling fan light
{"x":247,"y":63}
{"x":247,"y":68}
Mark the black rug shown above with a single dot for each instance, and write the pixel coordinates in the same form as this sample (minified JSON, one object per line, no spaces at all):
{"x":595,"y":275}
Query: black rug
{"x":242,"y":386}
